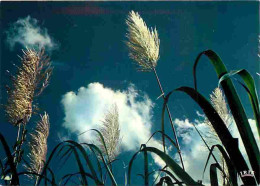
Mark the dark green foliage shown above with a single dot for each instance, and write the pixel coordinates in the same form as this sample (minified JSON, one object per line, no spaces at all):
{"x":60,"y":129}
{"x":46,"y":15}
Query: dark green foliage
{"x":235,"y":106}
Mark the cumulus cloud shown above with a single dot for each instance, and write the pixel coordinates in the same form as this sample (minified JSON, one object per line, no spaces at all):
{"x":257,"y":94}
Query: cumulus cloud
{"x":27,"y":32}
{"x":85,"y":110}
{"x":193,"y":149}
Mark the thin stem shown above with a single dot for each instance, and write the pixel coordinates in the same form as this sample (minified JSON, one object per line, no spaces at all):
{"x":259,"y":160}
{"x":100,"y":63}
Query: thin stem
{"x":146,"y":176}
{"x":17,"y":139}
{"x":20,"y":145}
{"x":18,"y":133}
{"x":170,"y":117}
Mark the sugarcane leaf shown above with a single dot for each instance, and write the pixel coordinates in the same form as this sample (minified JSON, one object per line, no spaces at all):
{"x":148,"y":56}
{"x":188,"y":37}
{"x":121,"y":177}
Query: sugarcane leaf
{"x":36,"y":174}
{"x":92,"y":146}
{"x":251,"y":90}
{"x":53,"y":181}
{"x":165,"y":135}
{"x":162,"y":124}
{"x":85,"y":156}
{"x":49,"y":160}
{"x":219,"y":126}
{"x":103,"y":142}
{"x":81,"y":169}
{"x":165,"y":179}
{"x":98,"y":163}
{"x":213,"y":174}
{"x":236,"y":108}
{"x":172,"y":165}
{"x":231,"y":169}
{"x":130,"y":167}
{"x":69,"y":176}
{"x":15,"y":178}
{"x":172,"y":176}
{"x":146,"y":172}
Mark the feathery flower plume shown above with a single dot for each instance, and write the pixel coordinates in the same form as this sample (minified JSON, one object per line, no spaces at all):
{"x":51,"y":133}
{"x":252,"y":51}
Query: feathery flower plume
{"x":111,"y":132}
{"x":144,"y":46}
{"x":38,"y":145}
{"x":218,"y":101}
{"x":32,"y":78}
{"x":143,"y":42}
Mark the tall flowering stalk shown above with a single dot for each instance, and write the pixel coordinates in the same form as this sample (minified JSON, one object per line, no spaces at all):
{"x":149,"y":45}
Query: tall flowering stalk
{"x":32,"y":78}
{"x":38,"y":145}
{"x":110,"y":130}
{"x":144,"y":44}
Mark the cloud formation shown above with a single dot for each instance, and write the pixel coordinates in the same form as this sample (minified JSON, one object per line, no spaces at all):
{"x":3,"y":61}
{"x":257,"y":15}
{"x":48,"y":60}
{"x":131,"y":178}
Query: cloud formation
{"x":27,"y":32}
{"x":85,"y":110}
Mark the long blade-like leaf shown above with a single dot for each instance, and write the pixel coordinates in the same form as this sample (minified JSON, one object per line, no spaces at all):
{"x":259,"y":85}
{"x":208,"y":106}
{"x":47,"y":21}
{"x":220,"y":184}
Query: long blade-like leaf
{"x":172,"y":165}
{"x":89,"y":163}
{"x":36,"y":174}
{"x":236,"y":107}
{"x":130,"y":167}
{"x":146,"y":171}
{"x":251,"y":90}
{"x":49,"y":160}
{"x":231,"y":169}
{"x":165,"y":135}
{"x":104,"y":144}
{"x":81,"y":169}
{"x":15,"y":179}
{"x":226,"y":138}
{"x":172,"y":176}
{"x":213,"y":174}
{"x":92,"y":146}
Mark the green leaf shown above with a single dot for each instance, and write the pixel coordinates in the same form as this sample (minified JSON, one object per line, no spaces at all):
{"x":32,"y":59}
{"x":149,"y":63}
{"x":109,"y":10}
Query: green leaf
{"x":165,"y":135}
{"x":83,"y":152}
{"x":172,"y":165}
{"x":231,"y":169}
{"x":10,"y":161}
{"x":251,"y":90}
{"x":49,"y":160}
{"x":172,"y":176}
{"x":104,"y":144}
{"x":81,"y":169}
{"x":213,"y":174}
{"x":69,"y":176}
{"x":36,"y":174}
{"x":146,"y":175}
{"x":219,"y":126}
{"x":88,"y":162}
{"x":236,"y":107}
{"x":130,"y":167}
{"x":104,"y":161}
{"x":165,"y":179}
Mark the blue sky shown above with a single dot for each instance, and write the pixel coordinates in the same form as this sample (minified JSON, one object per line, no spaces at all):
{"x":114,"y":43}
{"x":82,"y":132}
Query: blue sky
{"x":92,"y":70}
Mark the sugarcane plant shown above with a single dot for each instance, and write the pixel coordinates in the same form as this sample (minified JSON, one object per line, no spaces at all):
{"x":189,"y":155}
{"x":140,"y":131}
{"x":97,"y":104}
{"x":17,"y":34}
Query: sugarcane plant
{"x":144,"y":49}
{"x":30,"y":81}
{"x":94,"y":160}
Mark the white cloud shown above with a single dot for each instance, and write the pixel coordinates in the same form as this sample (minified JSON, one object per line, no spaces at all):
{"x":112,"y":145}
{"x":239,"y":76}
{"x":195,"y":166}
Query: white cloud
{"x":27,"y":32}
{"x":85,"y":109}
